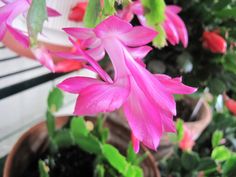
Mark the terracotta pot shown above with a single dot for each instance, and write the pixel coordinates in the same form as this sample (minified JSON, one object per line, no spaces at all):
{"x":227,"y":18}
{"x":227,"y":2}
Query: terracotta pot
{"x":203,"y":119}
{"x":35,"y":141}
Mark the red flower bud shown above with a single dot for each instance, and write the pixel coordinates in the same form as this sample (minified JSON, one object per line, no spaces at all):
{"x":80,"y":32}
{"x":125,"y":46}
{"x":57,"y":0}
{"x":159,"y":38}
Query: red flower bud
{"x":77,"y":12}
{"x":214,"y":42}
{"x":231,"y":105}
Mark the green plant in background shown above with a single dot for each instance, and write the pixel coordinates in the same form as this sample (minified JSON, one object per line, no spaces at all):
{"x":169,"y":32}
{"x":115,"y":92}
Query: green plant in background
{"x":212,"y":155}
{"x":199,"y":65}
{"x":89,"y":138}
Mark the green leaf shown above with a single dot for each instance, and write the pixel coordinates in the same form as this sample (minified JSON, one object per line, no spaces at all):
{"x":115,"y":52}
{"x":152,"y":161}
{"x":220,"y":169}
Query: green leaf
{"x":160,"y":40}
{"x":180,"y":129}
{"x":226,"y":13}
{"x":221,"y":5}
{"x":78,"y":127}
{"x":131,"y":155}
{"x":50,"y":124}
{"x":216,"y":86}
{"x":216,"y":138}
{"x":207,"y":164}
{"x":92,"y":14}
{"x":109,"y":7}
{"x":229,"y":167}
{"x":134,"y":171}
{"x":43,"y":169}
{"x":36,"y":16}
{"x":89,"y":144}
{"x":134,"y":158}
{"x":221,"y":153}
{"x":190,"y":160}
{"x":229,"y":62}
{"x":64,"y":138}
{"x":55,"y":100}
{"x":154,"y":11}
{"x":119,"y":162}
{"x":100,"y":171}
{"x":100,"y":131}
{"x":155,"y":15}
{"x":114,"y":157}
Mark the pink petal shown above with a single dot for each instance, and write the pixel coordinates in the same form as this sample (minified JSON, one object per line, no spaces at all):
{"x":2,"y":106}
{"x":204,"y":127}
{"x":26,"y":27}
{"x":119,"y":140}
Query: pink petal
{"x":175,"y":86}
{"x":112,"y":25}
{"x":143,"y":118}
{"x":8,"y":1}
{"x":140,"y":52}
{"x":173,"y":8}
{"x":69,"y":55}
{"x":114,"y":49}
{"x":77,"y":84}
{"x":3,"y":30}
{"x":80,"y":33}
{"x":138,"y":36}
{"x":135,"y":143}
{"x":168,"y":123}
{"x":91,"y":42}
{"x":171,"y":32}
{"x":125,"y":14}
{"x":83,"y":56}
{"x":96,"y":53}
{"x":102,"y":97}
{"x":52,"y":12}
{"x":19,"y":36}
{"x":137,"y":8}
{"x":180,"y":27}
{"x":67,"y":66}
{"x":151,"y":87}
{"x":142,"y":20}
{"x":43,"y":56}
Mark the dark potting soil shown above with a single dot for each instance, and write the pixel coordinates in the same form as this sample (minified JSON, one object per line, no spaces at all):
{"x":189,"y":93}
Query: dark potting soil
{"x":68,"y":162}
{"x":184,"y":111}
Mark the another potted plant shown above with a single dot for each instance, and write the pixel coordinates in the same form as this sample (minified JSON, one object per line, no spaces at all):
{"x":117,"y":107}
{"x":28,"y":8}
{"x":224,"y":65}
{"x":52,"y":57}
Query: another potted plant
{"x":218,"y":161}
{"x":196,"y":114}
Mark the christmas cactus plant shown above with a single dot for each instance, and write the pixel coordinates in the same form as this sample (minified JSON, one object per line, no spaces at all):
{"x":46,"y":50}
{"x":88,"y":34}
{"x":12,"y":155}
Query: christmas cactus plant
{"x":146,"y":99}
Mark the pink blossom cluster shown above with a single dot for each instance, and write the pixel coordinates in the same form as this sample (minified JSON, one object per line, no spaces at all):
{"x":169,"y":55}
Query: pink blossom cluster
{"x":147,"y":99}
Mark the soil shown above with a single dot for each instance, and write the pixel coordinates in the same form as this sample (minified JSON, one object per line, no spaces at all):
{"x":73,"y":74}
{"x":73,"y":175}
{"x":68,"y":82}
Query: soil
{"x":184,"y":111}
{"x":68,"y":162}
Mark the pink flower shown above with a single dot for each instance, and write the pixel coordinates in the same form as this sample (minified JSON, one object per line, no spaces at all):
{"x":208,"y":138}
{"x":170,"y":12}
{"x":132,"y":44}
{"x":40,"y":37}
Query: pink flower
{"x":187,"y":143}
{"x":174,"y":26}
{"x":45,"y":58}
{"x":14,"y":8}
{"x":146,"y":99}
{"x":8,"y":13}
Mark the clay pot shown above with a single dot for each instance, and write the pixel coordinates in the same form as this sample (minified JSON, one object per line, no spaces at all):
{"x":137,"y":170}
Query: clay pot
{"x":35,"y":141}
{"x":203,"y":119}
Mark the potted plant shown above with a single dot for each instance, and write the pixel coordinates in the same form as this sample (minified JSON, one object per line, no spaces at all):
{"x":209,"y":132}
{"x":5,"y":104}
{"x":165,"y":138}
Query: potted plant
{"x":146,"y":99}
{"x":65,"y":146}
{"x":219,"y":161}
{"x":208,"y":60}
{"x":196,"y":115}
